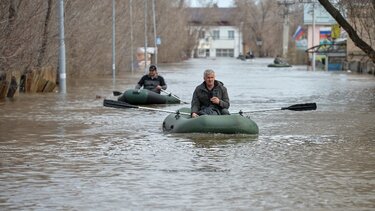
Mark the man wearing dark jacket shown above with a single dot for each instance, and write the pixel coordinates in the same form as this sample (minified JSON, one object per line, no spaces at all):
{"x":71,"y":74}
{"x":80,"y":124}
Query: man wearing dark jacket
{"x":152,"y":81}
{"x":210,"y":97}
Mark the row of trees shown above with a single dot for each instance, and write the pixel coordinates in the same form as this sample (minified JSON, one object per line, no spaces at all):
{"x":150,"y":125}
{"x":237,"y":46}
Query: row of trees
{"x":29,"y":31}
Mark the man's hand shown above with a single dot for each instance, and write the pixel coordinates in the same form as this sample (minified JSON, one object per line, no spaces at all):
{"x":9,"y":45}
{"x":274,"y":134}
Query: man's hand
{"x":193,"y":115}
{"x":215,"y":100}
{"x":158,"y":87}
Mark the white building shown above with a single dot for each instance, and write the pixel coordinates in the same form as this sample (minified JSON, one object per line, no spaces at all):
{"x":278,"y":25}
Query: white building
{"x":217,"y":34}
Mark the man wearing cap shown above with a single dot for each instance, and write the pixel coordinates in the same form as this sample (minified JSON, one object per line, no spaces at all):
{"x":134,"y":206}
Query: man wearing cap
{"x":152,"y":81}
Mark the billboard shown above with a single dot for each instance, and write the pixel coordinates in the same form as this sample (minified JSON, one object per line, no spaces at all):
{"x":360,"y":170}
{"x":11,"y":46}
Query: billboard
{"x":300,"y":38}
{"x":322,"y":17}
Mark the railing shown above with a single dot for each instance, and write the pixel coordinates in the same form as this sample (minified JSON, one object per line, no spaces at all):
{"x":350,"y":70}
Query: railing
{"x":328,"y":48}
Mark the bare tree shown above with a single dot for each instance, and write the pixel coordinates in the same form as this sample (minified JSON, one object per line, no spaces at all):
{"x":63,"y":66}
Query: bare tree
{"x":261,"y":25}
{"x":171,"y":26}
{"x":20,"y":26}
{"x":29,"y":34}
{"x":42,"y":50}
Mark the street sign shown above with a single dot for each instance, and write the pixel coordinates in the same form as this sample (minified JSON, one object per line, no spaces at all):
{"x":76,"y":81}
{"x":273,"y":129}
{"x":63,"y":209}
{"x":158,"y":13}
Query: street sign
{"x":158,"y":40}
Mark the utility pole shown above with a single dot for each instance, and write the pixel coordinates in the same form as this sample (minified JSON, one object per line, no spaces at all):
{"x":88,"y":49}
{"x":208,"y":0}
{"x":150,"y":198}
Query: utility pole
{"x":62,"y":73}
{"x":285,"y":15}
{"x":286,"y":4}
{"x":131,"y":35}
{"x":154,"y":23}
{"x":313,"y":2}
{"x":285,"y":32}
{"x":113,"y":43}
{"x":145,"y":54}
{"x":313,"y":35}
{"x":240,"y":34}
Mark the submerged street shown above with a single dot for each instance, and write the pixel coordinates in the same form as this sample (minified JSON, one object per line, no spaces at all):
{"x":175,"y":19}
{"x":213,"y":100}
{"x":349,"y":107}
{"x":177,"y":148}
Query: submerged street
{"x":70,"y":152}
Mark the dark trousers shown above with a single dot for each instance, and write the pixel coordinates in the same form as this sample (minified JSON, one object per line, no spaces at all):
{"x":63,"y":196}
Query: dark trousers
{"x":212,"y":110}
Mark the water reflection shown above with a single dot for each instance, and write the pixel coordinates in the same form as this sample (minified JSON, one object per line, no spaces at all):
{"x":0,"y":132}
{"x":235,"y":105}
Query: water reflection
{"x":214,"y":140}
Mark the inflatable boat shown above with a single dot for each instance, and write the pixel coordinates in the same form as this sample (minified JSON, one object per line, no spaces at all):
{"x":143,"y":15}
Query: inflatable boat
{"x":145,"y":97}
{"x":181,"y":122}
{"x":279,"y":65}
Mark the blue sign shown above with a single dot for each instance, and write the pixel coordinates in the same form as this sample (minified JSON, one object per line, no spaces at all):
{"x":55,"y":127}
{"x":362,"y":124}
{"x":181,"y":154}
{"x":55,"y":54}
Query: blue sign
{"x":158,"y":40}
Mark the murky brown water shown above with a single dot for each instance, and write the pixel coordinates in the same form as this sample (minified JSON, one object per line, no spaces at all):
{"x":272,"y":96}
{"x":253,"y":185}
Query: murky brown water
{"x":71,"y":153}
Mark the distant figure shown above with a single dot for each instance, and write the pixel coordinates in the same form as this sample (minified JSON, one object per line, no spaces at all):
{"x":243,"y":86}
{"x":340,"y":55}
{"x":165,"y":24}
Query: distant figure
{"x":240,"y":56}
{"x":152,"y":81}
{"x":279,"y":60}
{"x":210,"y":97}
{"x":249,"y":55}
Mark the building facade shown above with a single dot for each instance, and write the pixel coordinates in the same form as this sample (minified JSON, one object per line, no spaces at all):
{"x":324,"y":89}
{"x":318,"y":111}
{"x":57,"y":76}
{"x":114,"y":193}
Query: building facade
{"x":216,"y":31}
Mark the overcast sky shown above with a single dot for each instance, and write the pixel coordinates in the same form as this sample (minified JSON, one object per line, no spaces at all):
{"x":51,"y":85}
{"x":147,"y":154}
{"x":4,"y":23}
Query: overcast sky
{"x":221,"y":3}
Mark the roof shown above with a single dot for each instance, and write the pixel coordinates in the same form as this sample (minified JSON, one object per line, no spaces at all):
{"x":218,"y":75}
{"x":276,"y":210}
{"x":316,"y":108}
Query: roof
{"x":212,"y":16}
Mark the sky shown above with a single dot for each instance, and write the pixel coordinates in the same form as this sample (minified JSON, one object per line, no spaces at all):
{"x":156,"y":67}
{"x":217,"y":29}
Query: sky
{"x":221,"y":3}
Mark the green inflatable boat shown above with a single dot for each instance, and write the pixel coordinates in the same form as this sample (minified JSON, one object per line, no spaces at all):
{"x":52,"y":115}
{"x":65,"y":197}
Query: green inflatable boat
{"x":181,"y":122}
{"x":279,"y":65}
{"x":144,"y":97}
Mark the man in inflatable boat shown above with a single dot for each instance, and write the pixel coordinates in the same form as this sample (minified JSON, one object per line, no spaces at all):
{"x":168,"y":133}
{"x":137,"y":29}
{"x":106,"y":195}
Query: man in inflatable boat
{"x":210,"y":97}
{"x":152,"y":81}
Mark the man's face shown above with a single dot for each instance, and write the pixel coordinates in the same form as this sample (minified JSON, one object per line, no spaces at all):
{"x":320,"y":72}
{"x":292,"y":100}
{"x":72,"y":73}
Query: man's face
{"x":209,"y":79}
{"x":152,"y":72}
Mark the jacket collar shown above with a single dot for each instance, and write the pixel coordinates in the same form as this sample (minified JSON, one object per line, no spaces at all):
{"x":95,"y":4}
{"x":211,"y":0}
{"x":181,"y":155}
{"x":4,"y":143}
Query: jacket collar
{"x":216,"y":84}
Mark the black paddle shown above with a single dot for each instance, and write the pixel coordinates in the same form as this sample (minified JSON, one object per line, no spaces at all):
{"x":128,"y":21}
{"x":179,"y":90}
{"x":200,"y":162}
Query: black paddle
{"x":170,"y":94}
{"x":301,"y":107}
{"x":120,"y":104}
{"x":296,"y":107}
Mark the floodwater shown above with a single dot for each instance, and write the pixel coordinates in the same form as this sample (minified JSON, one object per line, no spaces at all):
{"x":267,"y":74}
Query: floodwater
{"x":71,"y":153}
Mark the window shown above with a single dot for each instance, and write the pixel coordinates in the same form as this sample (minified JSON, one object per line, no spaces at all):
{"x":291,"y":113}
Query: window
{"x":231,"y":35}
{"x":224,"y":52}
{"x":202,"y":52}
{"x":201,"y":34}
{"x":216,"y":34}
